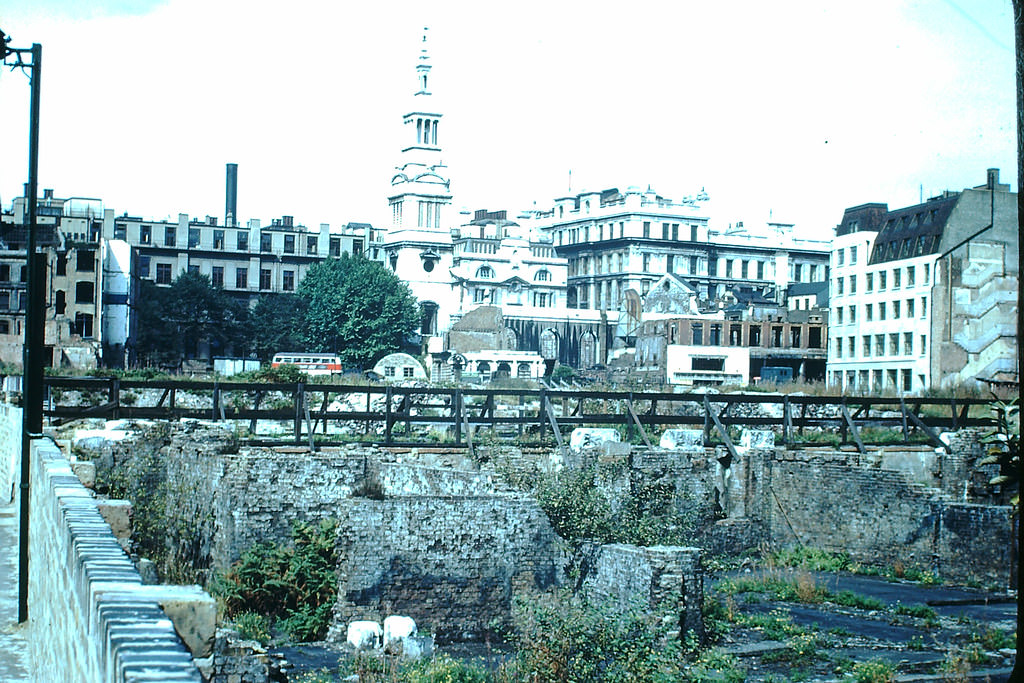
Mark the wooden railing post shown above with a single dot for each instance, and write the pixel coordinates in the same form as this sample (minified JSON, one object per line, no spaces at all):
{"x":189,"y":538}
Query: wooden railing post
{"x":115,"y":398}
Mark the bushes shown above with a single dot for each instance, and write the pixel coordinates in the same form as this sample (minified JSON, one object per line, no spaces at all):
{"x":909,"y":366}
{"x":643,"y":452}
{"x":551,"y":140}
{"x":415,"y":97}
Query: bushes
{"x":295,"y":587}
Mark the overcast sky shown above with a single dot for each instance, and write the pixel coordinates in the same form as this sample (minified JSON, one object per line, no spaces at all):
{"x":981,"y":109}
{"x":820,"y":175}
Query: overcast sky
{"x":793,"y":110}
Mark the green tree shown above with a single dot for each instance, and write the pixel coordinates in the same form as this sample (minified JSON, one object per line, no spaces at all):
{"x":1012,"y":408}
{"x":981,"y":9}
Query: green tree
{"x":174,"y":321}
{"x":357,"y":309}
{"x":275,"y":321}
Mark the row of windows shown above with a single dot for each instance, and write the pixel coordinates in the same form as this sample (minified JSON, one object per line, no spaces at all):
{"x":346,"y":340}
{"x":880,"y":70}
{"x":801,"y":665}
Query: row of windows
{"x":613,"y":229}
{"x":487,"y":273}
{"x":483,"y":295}
{"x":891,"y":344}
{"x":164,"y":276}
{"x":777,"y":336}
{"x":897,"y":309}
{"x":876,"y":379}
{"x":881,"y":279}
{"x":290,"y":244}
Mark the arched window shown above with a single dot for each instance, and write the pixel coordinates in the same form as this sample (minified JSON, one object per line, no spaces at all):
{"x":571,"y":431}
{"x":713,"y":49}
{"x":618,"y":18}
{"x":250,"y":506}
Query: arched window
{"x":428,"y":318}
{"x":588,"y":350}
{"x":549,"y":345}
{"x":485,"y":272}
{"x":542,"y":276}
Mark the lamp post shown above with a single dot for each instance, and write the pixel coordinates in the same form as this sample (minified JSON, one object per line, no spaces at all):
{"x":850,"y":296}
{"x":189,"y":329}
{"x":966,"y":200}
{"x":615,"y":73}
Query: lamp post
{"x":32,"y":378}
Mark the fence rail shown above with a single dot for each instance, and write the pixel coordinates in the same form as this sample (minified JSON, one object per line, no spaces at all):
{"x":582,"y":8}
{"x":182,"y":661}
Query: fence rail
{"x":387,"y":414}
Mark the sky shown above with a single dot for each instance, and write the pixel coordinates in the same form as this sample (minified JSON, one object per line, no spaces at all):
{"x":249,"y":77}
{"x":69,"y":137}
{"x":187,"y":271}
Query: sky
{"x":788,"y":111}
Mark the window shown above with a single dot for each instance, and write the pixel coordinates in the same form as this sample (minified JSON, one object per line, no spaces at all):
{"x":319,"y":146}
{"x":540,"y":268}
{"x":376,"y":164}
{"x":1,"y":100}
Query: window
{"x":895,"y":309}
{"x":675,"y":231}
{"x":85,"y":262}
{"x":311,"y":245}
{"x":728,"y":267}
{"x":867,"y":346}
{"x":839,"y":285}
{"x":170,"y":236}
{"x":896,"y":272}
{"x":894,"y":344}
{"x":794,"y":337}
{"x":840,"y":257}
{"x":853,"y":314}
{"x":647,"y":228}
{"x":217,"y":276}
{"x":839,"y":315}
{"x":735,"y":332}
{"x":241,"y":278}
{"x":242,"y":241}
{"x":924,"y":306}
{"x":62,"y":264}
{"x":755,"y":336}
{"x":853,"y":284}
{"x":120,"y":231}
{"x":5,"y":326}
{"x":924,"y":343}
{"x":264,"y":278}
{"x":146,"y":234}
{"x":542,"y":276}
{"x":193,"y":237}
{"x":288,"y":281}
{"x":760,"y":270}
{"x":716,"y":335}
{"x":869,"y":282}
{"x":289,"y":244}
{"x":540,"y":299}
{"x":266,"y":241}
{"x":193,"y":270}
{"x":647,"y":263}
{"x":839,"y":347}
{"x":82,"y":325}
{"x":927,"y":272}
{"x":851,"y":346}
{"x":869,"y":312}
{"x":479,"y":295}
{"x":908,"y":343}
{"x":143,"y":266}
{"x":218,"y":239}
{"x":696,"y":334}
{"x":881,"y":310}
{"x":83,"y":292}
{"x":881,"y":280}
{"x":163,"y":273}
{"x":693,"y":265}
{"x":879,"y":344}
{"x":693,"y":233}
{"x":407,"y":372}
{"x":389,"y":371}
{"x":334,"y":247}
{"x":664,"y":231}
{"x":485,"y":272}
{"x":910,"y":308}
{"x":910,"y":276}
{"x":853,"y":256}
{"x":777,"y":336}
{"x":707,"y":364}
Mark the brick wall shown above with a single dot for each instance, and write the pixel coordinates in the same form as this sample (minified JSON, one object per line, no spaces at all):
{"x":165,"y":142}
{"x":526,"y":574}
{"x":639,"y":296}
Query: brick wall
{"x":451,"y":563}
{"x":662,"y":579}
{"x":90,"y":617}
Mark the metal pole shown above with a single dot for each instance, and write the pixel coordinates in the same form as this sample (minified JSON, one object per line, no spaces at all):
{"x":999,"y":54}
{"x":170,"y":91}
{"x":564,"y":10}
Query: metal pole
{"x":32,"y":379}
{"x":1018,"y":31}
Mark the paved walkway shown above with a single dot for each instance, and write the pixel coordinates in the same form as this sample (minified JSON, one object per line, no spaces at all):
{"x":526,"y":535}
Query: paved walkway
{"x":13,"y":644}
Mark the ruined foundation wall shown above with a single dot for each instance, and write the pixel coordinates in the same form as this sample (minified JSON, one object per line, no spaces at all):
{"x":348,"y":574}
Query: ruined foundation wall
{"x":662,"y":579}
{"x":451,"y":563}
{"x":881,"y":516}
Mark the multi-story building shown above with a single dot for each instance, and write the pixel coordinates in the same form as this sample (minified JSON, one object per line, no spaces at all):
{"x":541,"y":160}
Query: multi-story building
{"x":245,"y":261}
{"x":620,"y":241}
{"x":925,"y":295}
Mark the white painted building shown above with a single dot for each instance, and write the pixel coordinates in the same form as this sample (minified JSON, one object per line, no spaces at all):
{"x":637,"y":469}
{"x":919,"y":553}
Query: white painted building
{"x":924,"y":295}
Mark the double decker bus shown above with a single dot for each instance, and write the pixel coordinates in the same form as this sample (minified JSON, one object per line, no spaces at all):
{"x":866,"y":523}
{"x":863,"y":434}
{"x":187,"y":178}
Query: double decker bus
{"x":309,"y":363}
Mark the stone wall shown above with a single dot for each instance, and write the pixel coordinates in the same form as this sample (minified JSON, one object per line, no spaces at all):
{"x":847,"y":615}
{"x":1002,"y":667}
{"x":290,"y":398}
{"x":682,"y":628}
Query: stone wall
{"x":90,"y":617}
{"x":662,"y":579}
{"x":883,"y":517}
{"x":10,"y":452}
{"x":451,"y":563}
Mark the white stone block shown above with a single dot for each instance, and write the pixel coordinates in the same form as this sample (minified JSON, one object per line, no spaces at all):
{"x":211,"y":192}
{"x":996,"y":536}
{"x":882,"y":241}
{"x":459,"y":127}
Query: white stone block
{"x":363,"y":634}
{"x":397,"y":627}
{"x":589,"y":437}
{"x":757,"y":438}
{"x":683,"y":439}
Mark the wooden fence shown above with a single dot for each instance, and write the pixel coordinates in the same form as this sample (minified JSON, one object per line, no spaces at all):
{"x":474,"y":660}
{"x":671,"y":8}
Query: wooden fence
{"x":413,"y":416}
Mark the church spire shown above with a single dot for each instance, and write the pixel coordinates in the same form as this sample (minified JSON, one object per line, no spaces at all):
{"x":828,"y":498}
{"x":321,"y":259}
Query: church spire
{"x":423,"y":66}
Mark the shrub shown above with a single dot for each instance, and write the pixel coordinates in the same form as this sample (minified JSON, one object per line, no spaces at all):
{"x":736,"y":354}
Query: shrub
{"x":562,"y":638}
{"x":253,"y":626}
{"x":295,"y":587}
{"x":873,"y":671}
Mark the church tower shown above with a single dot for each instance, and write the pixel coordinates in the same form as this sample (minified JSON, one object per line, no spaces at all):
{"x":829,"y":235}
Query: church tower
{"x":418,"y":246}
{"x":421,"y":194}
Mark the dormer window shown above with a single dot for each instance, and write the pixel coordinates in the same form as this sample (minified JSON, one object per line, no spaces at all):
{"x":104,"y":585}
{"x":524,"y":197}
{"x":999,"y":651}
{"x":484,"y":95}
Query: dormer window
{"x":485,"y":273}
